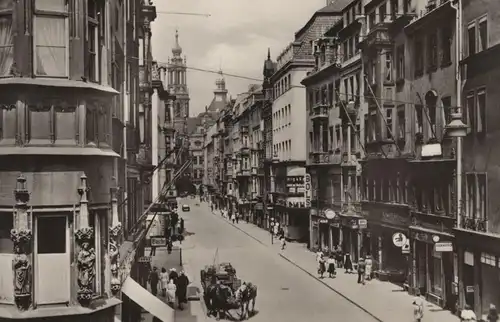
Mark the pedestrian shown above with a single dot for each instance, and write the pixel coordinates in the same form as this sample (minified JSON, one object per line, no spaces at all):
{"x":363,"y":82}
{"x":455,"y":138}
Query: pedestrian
{"x":169,"y":246}
{"x":348,"y":263}
{"x":181,"y":293}
{"x":283,"y":242}
{"x":164,"y":281}
{"x":233,"y":218}
{"x":212,"y":207}
{"x":339,"y":257}
{"x":173,"y":274}
{"x":361,"y":271}
{"x":237,"y":217}
{"x":322,"y":266}
{"x":153,"y":251}
{"x":153,"y":281}
{"x":369,"y":267}
{"x":171,"y":290}
{"x":418,"y":307}
{"x":331,"y":266}
{"x":492,"y":314}
{"x":467,"y":314}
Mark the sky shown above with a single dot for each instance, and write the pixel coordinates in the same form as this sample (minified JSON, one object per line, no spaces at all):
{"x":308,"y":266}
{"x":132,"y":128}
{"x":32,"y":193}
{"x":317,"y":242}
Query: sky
{"x":235,"y":38}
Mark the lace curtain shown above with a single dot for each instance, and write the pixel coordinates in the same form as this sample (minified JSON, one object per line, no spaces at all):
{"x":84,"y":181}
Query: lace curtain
{"x":6,"y":46}
{"x":50,"y":35}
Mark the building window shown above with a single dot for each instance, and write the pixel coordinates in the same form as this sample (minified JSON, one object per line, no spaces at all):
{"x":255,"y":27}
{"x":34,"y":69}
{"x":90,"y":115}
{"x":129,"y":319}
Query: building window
{"x":446,"y":102}
{"x":382,"y":12}
{"x":483,"y":34}
{"x":50,"y":34}
{"x":446,"y":42}
{"x":388,"y":67}
{"x":401,"y":122}
{"x":471,"y":38}
{"x":373,"y":126}
{"x":420,"y":118}
{"x":476,"y":198}
{"x":6,"y":38}
{"x":388,"y":119}
{"x":400,"y":53}
{"x":432,"y":53}
{"x":338,"y":137}
{"x":330,"y":94}
{"x":372,"y":19}
{"x":93,"y":41}
{"x":481,"y":112}
{"x":471,"y":107}
{"x":419,"y":58}
{"x":488,"y":259}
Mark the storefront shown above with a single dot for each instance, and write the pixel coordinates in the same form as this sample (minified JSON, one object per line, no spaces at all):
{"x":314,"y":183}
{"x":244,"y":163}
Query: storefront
{"x":383,"y":222}
{"x":292,"y":215}
{"x":479,"y":269}
{"x":324,"y":233}
{"x":432,"y":265}
{"x":259,"y":214}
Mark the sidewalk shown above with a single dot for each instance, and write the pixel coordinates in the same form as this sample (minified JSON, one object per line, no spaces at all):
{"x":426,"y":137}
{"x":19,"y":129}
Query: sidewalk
{"x":384,"y":301}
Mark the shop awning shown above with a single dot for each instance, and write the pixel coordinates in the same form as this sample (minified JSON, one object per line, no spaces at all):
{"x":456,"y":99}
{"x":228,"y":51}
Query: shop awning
{"x":147,"y":301}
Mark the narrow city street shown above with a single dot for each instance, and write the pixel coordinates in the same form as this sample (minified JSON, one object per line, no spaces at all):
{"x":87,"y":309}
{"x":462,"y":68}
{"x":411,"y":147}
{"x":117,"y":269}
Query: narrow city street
{"x":285,"y":293}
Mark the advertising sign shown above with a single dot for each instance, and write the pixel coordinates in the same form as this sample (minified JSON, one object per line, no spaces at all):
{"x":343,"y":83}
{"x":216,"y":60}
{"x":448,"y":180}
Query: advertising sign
{"x":307,"y":189}
{"x":158,"y":241}
{"x":399,"y":239}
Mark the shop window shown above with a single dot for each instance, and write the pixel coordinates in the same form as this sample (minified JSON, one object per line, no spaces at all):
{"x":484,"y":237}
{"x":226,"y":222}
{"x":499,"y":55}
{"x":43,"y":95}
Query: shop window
{"x":488,"y":259}
{"x":436,"y":272}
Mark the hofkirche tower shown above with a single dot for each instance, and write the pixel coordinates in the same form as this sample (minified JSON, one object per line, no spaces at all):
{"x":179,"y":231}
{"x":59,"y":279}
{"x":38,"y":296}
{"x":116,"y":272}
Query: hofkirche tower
{"x":177,"y":85}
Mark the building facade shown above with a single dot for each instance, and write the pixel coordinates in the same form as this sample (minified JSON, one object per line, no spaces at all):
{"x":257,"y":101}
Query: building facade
{"x":478,"y":234}
{"x":288,"y":119}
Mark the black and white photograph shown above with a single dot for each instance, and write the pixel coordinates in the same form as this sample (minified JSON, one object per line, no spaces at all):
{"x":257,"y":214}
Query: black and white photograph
{"x":262,"y":161}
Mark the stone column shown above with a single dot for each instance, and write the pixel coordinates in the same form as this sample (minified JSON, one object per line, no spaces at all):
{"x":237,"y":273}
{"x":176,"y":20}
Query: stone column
{"x":86,"y":256}
{"x":21,"y":236}
{"x":115,"y":231}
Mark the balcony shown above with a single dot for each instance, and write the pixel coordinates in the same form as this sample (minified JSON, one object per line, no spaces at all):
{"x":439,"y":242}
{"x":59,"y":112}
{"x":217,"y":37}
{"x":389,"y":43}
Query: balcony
{"x":167,"y":128}
{"x":245,"y":150}
{"x":319,"y":158}
{"x":255,"y":171}
{"x":243,"y":173}
{"x":244,"y":129}
{"x":377,"y":36}
{"x":319,"y":112}
{"x":475,"y":224}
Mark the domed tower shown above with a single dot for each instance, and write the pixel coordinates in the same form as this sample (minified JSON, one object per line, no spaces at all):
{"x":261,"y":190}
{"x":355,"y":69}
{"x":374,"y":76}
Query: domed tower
{"x":268,"y":71}
{"x":177,"y":86}
{"x":220,"y":92}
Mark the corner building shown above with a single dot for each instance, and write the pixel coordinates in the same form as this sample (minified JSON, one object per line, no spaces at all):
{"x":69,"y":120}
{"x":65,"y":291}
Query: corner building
{"x":57,"y":103}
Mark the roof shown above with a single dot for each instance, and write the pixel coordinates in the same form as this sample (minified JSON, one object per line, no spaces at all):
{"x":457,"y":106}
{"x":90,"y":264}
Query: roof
{"x":336,"y":6}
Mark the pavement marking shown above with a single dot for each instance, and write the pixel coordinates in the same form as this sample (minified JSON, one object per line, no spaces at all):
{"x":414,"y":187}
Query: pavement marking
{"x":304,"y":270}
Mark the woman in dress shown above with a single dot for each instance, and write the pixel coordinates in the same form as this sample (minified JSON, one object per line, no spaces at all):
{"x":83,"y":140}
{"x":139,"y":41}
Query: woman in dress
{"x":368,"y":268}
{"x":171,"y":289}
{"x":322,"y":266}
{"x":348,"y":263}
{"x":164,"y":281}
{"x":331,"y":266}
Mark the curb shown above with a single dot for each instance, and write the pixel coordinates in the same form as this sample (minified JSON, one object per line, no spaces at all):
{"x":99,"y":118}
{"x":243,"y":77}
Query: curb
{"x":331,"y":288}
{"x":306,"y":271}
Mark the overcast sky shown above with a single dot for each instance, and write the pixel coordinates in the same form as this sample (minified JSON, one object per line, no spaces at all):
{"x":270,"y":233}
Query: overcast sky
{"x":236,"y":37}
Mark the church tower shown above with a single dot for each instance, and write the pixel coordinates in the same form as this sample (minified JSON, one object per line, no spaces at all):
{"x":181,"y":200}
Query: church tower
{"x":177,"y":86}
{"x":220,"y":92}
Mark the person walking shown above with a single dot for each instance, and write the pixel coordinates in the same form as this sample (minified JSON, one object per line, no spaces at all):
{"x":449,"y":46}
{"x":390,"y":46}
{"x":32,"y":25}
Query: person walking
{"x":181,"y":292}
{"x":369,"y":267}
{"x":339,"y":256}
{"x":418,"y":307}
{"x":153,"y":281}
{"x":361,"y":271}
{"x":492,"y":314}
{"x":153,"y":251}
{"x":233,"y":218}
{"x":164,"y":281}
{"x":467,"y":315}
{"x":348,"y":263}
{"x":322,"y":266}
{"x":331,"y":266}
{"x":283,"y":242}
{"x":173,"y":274}
{"x":171,"y":290}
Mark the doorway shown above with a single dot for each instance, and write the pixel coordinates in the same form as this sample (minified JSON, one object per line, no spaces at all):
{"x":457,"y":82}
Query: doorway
{"x":52,"y":259}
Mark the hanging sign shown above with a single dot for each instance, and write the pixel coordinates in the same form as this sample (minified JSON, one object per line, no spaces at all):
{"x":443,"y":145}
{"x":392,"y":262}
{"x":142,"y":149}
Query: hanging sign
{"x":405,"y":249}
{"x":158,"y":241}
{"x":307,"y":190}
{"x":399,"y":239}
{"x":443,"y":247}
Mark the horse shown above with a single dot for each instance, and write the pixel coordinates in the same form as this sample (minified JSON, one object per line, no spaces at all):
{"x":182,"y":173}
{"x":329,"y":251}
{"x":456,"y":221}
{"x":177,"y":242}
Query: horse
{"x":219,"y":300}
{"x":247,"y":293}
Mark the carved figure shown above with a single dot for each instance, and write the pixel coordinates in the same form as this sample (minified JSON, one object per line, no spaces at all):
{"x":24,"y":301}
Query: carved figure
{"x":86,"y":265}
{"x":114,"y":258}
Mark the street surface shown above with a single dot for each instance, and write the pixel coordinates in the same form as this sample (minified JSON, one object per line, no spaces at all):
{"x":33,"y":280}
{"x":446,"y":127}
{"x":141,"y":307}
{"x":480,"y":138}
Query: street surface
{"x":285,"y":293}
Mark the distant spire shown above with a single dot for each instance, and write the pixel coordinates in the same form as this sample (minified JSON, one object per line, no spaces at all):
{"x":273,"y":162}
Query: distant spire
{"x":177,"y":50}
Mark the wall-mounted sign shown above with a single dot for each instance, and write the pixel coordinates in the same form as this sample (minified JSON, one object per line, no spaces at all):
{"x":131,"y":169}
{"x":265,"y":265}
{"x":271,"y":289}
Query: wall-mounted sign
{"x":443,"y":247}
{"x":399,"y":239}
{"x":323,"y":221}
{"x":330,"y":214}
{"x":363,"y":223}
{"x":144,"y":259}
{"x":405,"y":249}
{"x":158,"y":241}
{"x":307,"y":190}
{"x":469,"y":289}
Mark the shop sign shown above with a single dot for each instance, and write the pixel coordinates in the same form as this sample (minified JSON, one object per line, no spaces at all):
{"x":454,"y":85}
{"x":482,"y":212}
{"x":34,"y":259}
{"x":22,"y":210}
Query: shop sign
{"x":323,"y":221}
{"x":443,"y":247}
{"x":469,"y":289}
{"x":405,"y":249}
{"x":158,"y":241}
{"x":399,"y":239}
{"x":363,"y":223}
{"x":144,"y":259}
{"x":330,"y":214}
{"x":307,"y":190}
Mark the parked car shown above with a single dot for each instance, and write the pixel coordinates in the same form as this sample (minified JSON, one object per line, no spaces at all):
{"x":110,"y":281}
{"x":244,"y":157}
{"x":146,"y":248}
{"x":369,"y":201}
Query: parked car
{"x":185,"y":208}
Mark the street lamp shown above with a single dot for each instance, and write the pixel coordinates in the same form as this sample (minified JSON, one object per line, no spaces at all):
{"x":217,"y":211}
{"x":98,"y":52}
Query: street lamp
{"x":457,"y":129}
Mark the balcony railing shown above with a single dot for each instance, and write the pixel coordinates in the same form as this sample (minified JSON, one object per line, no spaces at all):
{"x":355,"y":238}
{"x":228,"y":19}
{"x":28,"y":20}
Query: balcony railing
{"x":245,"y":149}
{"x":319,"y":111}
{"x":475,"y":224}
{"x":244,"y":173}
{"x":378,"y":35}
{"x":319,"y":158}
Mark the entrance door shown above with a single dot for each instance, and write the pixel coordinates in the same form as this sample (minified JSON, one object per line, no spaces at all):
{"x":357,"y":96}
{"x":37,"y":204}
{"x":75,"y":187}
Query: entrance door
{"x":52,"y":260}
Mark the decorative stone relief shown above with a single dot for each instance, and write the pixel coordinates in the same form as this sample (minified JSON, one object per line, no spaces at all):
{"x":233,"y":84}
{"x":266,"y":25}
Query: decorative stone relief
{"x":86,"y":257}
{"x":21,"y":236}
{"x":115,"y":231}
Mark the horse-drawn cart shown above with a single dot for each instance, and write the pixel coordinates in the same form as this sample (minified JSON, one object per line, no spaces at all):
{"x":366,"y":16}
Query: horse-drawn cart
{"x":224,"y":273}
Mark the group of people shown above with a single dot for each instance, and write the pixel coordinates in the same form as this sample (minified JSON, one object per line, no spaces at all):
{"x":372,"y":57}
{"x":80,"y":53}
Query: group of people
{"x":338,"y":259}
{"x":173,"y":285}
